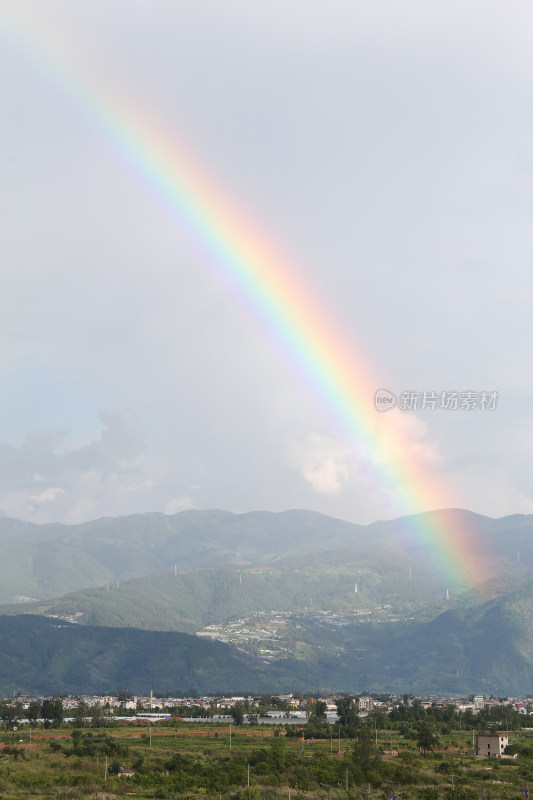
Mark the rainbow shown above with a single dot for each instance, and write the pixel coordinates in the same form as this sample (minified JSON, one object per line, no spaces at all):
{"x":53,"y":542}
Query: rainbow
{"x":271,"y":285}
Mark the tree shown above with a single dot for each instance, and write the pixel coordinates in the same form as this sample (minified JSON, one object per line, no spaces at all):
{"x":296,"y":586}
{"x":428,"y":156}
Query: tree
{"x":318,"y":712}
{"x":33,"y":712}
{"x":52,"y":712}
{"x":9,"y":713}
{"x":278,"y":754}
{"x":363,"y":753}
{"x":426,"y":738}
{"x":346,"y":711}
{"x":114,"y":767}
{"x":80,"y":713}
{"x":96,"y":715}
{"x":237,"y":713}
{"x":379,"y":718}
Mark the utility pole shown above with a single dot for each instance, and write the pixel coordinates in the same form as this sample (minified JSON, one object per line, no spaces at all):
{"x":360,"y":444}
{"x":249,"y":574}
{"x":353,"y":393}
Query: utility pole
{"x":481,"y":787}
{"x":230,"y":736}
{"x":328,"y":787}
{"x":105,"y":771}
{"x":248,"y":776}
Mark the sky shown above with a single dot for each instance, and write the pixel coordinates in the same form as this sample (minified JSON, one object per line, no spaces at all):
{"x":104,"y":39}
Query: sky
{"x":383,"y":150}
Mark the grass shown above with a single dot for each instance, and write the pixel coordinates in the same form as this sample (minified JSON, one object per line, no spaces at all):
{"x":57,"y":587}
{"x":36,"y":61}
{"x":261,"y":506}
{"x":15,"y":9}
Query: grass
{"x":203,"y":759}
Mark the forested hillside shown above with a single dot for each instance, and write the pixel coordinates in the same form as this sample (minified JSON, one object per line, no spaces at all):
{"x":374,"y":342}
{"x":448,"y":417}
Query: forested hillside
{"x":46,"y":561}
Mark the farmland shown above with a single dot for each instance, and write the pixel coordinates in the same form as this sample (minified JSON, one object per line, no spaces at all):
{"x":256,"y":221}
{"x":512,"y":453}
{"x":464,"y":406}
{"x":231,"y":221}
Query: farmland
{"x":189,"y":759}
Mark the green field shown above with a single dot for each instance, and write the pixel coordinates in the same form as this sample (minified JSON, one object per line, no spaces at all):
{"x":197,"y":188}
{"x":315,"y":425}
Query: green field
{"x":186,"y":760}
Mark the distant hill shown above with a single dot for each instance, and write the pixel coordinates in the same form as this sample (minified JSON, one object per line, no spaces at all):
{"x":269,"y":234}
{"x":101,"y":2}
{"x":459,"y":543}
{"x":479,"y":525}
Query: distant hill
{"x":180,"y":573}
{"x":41,"y":656}
{"x":42,"y":561}
{"x":47,"y":561}
{"x":189,"y":600}
{"x":483,"y":644}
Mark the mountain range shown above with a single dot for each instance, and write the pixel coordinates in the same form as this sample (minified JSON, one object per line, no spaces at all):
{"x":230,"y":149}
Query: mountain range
{"x":364,"y":607}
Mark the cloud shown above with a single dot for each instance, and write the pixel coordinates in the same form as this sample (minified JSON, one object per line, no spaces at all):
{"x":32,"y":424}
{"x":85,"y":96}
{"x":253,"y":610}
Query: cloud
{"x":322,"y":462}
{"x":110,"y":473}
{"x":47,"y":496}
{"x":44,"y":455}
{"x":119,"y":445}
{"x":176,"y":504}
{"x":79,"y":480}
{"x":403,"y":436}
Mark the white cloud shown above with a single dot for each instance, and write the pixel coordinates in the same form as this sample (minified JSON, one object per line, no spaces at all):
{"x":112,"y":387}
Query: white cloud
{"x":105,"y":470}
{"x":47,"y":496}
{"x":403,"y":436}
{"x":176,"y":504}
{"x":107,"y":473}
{"x":322,"y":462}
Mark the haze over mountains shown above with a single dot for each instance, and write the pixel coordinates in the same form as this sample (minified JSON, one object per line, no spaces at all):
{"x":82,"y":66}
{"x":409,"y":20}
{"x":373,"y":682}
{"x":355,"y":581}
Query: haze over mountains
{"x":359,"y":607}
{"x":42,"y":561}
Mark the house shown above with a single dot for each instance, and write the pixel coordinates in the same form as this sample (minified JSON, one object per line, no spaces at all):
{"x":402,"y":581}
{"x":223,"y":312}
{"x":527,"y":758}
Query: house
{"x":365,"y":703}
{"x":491,"y":745}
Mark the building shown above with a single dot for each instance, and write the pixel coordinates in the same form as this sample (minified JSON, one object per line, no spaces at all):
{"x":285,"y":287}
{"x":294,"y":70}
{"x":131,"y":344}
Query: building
{"x":491,"y":746}
{"x":365,"y":703}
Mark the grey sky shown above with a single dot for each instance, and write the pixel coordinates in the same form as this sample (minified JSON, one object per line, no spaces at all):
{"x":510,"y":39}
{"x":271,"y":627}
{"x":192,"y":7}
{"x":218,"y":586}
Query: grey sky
{"x":385,"y":147}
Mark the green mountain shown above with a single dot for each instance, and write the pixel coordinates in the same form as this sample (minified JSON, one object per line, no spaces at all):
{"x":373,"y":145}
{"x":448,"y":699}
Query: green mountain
{"x":479,"y":645}
{"x":388,"y":625}
{"x":45,"y":561}
{"x":41,"y":561}
{"x":188,"y":601}
{"x":41,"y":656}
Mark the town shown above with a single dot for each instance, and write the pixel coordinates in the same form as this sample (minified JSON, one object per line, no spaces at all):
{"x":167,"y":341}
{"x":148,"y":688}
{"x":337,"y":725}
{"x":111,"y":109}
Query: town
{"x":241,"y":747}
{"x":286,"y":708}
